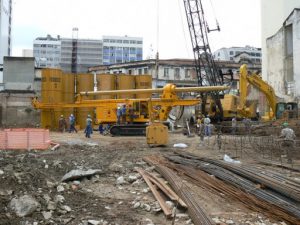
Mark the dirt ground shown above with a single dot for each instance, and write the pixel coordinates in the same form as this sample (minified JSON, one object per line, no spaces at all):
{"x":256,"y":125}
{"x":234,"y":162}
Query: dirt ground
{"x":107,"y":198}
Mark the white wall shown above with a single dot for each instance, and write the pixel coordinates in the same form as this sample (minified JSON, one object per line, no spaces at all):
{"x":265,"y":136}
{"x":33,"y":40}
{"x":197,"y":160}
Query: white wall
{"x":296,"y":51}
{"x":275,"y":57}
{"x":273,"y":14}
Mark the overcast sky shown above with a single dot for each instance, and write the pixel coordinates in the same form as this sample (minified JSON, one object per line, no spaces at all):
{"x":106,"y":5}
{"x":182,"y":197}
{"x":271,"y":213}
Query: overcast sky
{"x":239,"y":21}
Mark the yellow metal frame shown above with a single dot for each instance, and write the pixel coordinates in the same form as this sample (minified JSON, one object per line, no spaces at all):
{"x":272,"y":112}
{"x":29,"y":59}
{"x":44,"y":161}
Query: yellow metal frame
{"x":157,"y":108}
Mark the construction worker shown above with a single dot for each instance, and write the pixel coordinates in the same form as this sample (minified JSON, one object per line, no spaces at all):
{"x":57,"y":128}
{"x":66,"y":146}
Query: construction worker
{"x":119,"y":114}
{"x":247,"y":124}
{"x":88,"y":128}
{"x":199,"y":126}
{"x":62,"y":124}
{"x":124,"y":114}
{"x":207,"y":128}
{"x":233,"y":125}
{"x":72,"y":123}
{"x":131,"y":113}
{"x":288,"y":141}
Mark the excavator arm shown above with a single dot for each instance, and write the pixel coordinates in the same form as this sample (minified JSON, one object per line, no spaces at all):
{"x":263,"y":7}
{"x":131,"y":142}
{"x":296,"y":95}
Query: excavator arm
{"x":261,"y":85}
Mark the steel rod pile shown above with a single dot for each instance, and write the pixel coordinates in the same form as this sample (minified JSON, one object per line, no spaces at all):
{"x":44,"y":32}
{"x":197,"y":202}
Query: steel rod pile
{"x":198,"y":215}
{"x":279,"y":202}
{"x":272,"y":181}
{"x":211,"y":184}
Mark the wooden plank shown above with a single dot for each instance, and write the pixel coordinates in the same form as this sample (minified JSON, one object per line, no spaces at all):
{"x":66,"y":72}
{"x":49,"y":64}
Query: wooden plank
{"x":166,"y":189}
{"x":167,"y":211}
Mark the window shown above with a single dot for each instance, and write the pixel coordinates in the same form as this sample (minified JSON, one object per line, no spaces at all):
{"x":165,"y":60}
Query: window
{"x":139,"y":42}
{"x":129,"y":72}
{"x":132,"y":42}
{"x":140,"y":71}
{"x":231,"y":58}
{"x":177,"y":73}
{"x":146,"y":70}
{"x":231,"y":53}
{"x":187,"y":73}
{"x":257,"y":54}
{"x":166,"y":72}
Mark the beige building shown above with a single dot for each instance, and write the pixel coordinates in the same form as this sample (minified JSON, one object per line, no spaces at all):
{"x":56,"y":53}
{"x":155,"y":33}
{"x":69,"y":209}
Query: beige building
{"x":178,"y":71}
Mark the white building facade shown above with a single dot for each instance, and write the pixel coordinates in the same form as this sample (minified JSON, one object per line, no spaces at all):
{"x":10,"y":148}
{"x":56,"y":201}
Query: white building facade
{"x":5,"y":28}
{"x":237,"y":54}
{"x":273,"y":14}
{"x":181,"y":72}
{"x":77,"y":55}
{"x":283,"y":57}
{"x":47,"y":51}
{"x":118,"y":49}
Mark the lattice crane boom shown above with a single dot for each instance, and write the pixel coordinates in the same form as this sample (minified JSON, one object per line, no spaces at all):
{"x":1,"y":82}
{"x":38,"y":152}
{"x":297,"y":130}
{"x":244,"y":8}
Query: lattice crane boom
{"x":203,"y":57}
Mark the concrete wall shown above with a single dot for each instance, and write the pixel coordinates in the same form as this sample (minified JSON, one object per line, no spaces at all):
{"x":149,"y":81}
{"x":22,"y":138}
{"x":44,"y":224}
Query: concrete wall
{"x":283,"y":57}
{"x":275,"y":62}
{"x":22,"y":82}
{"x":18,"y":73}
{"x":273,"y":14}
{"x":295,"y":20}
{"x":16,"y":110}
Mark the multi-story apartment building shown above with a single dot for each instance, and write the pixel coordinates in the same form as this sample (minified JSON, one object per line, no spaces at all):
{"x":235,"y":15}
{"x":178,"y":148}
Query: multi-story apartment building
{"x":77,"y":55}
{"x":46,"y":51}
{"x":5,"y":28}
{"x":122,"y":49}
{"x":238,"y":54}
{"x":69,"y":54}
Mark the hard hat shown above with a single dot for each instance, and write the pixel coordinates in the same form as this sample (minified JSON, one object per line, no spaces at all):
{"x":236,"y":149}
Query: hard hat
{"x":89,"y":115}
{"x":285,"y":124}
{"x":71,"y":114}
{"x":61,"y":115}
{"x":119,"y":107}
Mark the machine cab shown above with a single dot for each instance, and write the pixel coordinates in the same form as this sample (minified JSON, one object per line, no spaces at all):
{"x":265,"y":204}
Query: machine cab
{"x":286,"y":110}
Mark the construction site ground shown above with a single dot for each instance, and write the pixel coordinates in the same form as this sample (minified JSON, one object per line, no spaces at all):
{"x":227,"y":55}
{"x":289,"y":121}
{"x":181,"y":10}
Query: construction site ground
{"x":118,"y":194}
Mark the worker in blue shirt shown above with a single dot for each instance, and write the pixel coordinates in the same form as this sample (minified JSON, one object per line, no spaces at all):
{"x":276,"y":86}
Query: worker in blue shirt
{"x":88,"y":129}
{"x":119,"y":114}
{"x":124,"y":114}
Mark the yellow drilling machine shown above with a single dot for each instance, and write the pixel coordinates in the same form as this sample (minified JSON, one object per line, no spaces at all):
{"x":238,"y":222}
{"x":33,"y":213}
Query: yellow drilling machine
{"x":146,"y":112}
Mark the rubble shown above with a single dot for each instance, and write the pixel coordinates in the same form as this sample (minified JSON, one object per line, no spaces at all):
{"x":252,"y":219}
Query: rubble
{"x":79,"y":174}
{"x":24,"y":205}
{"x":115,"y":195}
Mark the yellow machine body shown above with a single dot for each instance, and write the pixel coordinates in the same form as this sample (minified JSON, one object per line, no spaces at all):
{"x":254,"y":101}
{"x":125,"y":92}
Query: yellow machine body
{"x":143,"y":82}
{"x":125,"y":82}
{"x":84,"y":82}
{"x":68,"y":92}
{"x":145,"y":110}
{"x":106,"y":82}
{"x":157,"y":134}
{"x":51,"y":93}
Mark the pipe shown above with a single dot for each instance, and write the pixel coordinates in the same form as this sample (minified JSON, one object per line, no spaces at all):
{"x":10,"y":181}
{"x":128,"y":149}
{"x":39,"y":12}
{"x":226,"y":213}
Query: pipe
{"x":157,"y":90}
